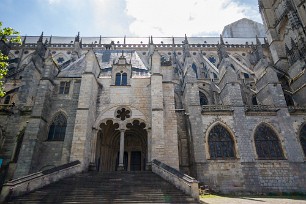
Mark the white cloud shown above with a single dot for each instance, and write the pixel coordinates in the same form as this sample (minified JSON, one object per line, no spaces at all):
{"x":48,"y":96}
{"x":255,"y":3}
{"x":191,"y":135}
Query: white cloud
{"x":177,"y":17}
{"x":109,"y":17}
{"x":54,"y":1}
{"x":152,"y":17}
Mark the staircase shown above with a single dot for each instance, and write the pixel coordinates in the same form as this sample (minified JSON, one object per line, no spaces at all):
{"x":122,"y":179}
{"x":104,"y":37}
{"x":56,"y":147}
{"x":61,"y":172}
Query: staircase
{"x":111,"y":187}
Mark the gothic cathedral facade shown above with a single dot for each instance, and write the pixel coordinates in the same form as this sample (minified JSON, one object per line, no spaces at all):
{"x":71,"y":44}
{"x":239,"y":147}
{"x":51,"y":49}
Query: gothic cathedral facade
{"x":230,"y":111}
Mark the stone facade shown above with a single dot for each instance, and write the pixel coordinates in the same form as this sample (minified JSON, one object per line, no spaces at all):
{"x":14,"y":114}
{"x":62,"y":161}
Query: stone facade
{"x":215,"y":108}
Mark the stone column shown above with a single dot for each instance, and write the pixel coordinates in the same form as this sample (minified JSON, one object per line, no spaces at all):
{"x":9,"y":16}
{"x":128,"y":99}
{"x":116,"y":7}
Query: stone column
{"x":121,"y":154}
{"x":92,"y":164}
{"x":157,"y":110}
{"x":149,"y":149}
{"x":86,"y":112}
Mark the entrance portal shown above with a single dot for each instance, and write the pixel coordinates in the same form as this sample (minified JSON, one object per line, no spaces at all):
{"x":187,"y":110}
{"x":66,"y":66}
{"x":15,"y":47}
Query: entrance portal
{"x":134,"y":148}
{"x":135,"y":164}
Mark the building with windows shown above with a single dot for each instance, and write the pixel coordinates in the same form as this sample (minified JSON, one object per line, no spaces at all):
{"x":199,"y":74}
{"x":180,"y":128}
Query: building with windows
{"x":228,"y":111}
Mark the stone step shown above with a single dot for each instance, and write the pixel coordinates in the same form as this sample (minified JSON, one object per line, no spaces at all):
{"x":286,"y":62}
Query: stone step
{"x":109,"y":187}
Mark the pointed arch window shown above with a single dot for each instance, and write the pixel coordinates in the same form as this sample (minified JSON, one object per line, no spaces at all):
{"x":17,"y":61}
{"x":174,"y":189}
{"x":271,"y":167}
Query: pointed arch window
{"x":289,"y":100}
{"x":205,"y":71}
{"x":195,"y":69}
{"x":215,"y":76}
{"x":267,"y":143}
{"x":7,"y":99}
{"x":254,"y":101}
{"x":57,"y":129}
{"x":303,"y":138}
{"x":121,"y":79}
{"x":221,"y":144}
{"x":203,"y":99}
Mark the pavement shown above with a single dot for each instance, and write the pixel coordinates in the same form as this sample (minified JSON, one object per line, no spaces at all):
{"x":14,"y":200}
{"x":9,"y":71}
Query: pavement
{"x":253,"y":200}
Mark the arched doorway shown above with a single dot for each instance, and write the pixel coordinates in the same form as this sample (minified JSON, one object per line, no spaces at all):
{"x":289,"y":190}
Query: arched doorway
{"x":108,"y":146}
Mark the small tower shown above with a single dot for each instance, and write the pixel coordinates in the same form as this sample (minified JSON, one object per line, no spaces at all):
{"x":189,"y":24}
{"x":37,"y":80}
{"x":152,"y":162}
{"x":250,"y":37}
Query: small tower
{"x":77,"y":51}
{"x":41,"y":47}
{"x":186,"y":48}
{"x":222,"y":49}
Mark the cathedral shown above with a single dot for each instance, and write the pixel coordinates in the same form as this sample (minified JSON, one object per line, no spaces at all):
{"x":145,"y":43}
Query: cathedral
{"x":229,"y":110}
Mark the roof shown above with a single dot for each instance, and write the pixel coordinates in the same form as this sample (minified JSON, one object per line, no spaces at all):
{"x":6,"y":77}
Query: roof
{"x":107,"y":58}
{"x":141,"y":41}
{"x":75,"y":69}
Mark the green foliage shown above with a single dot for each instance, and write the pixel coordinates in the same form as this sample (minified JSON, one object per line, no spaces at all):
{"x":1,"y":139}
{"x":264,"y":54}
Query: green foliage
{"x":7,"y":35}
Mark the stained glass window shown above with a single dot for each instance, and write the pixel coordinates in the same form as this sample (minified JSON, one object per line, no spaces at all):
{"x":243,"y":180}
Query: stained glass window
{"x":267,"y":143}
{"x":60,"y":60}
{"x":58,"y":128}
{"x":203,"y":99}
{"x":123,"y":114}
{"x":221,"y":144}
{"x":303,"y":138}
{"x":212,"y":59}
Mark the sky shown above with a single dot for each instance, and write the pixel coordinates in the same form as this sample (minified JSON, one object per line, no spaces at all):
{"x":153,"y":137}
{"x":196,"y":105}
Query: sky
{"x":131,"y":18}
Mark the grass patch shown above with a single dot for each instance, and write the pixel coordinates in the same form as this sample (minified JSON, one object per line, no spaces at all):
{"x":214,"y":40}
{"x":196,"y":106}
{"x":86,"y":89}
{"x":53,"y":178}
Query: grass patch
{"x":210,"y":196}
{"x":293,"y":196}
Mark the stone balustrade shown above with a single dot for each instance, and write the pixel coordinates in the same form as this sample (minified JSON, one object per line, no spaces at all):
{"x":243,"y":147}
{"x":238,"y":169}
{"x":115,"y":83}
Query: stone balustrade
{"x":37,"y":180}
{"x":187,"y":184}
{"x":294,"y":109}
{"x":261,"y":108}
{"x":210,"y":109}
{"x":217,"y":108}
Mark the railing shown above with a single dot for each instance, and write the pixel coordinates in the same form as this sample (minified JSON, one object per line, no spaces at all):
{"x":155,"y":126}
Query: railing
{"x":261,"y":108}
{"x":187,"y":184}
{"x":217,"y":108}
{"x":293,"y":109}
{"x":252,"y":108}
{"x":37,"y":180}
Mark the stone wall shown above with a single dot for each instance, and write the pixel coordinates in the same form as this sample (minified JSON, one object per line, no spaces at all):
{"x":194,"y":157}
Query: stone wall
{"x":247,"y":173}
{"x":136,"y":95}
{"x":54,"y":153}
{"x":260,"y":177}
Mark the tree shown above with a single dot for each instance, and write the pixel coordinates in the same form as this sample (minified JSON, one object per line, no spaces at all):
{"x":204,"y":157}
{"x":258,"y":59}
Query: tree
{"x":7,"y":36}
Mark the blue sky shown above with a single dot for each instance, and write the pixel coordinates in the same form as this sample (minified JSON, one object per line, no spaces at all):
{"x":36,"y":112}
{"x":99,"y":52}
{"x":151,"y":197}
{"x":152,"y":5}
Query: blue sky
{"x":117,"y":18}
